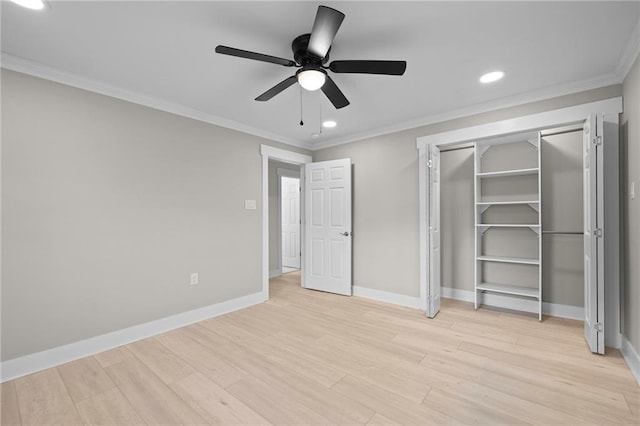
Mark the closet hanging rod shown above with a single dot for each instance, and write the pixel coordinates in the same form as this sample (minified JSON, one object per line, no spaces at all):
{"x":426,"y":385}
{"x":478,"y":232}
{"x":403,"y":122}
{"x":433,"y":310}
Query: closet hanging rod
{"x":563,"y":232}
{"x":457,"y":149}
{"x":560,"y":132}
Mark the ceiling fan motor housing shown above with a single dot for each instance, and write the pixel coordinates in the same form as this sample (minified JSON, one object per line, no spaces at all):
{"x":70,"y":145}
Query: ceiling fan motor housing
{"x":302,"y":56}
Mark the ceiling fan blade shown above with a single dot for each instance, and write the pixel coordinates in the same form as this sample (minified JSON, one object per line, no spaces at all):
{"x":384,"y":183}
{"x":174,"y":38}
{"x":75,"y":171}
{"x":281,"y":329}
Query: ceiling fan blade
{"x":232,"y":51}
{"x":277,"y":88}
{"x":324,"y":30}
{"x":334,"y":94}
{"x":369,"y":67}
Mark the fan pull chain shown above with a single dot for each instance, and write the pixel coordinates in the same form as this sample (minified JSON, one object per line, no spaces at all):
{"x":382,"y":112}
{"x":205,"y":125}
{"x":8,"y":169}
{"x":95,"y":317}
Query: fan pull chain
{"x":320,"y":120}
{"x":301,"y":122}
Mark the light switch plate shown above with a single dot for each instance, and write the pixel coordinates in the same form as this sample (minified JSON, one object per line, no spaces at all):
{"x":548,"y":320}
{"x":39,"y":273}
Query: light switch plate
{"x":632,"y":190}
{"x":249,"y":204}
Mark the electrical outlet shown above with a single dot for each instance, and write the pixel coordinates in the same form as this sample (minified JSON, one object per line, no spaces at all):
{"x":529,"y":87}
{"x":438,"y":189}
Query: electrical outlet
{"x":194,"y":278}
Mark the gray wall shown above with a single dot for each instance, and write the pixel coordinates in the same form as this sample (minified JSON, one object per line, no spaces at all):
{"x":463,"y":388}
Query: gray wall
{"x":108,"y":206}
{"x":457,"y":219}
{"x":562,"y":210}
{"x":630,"y":155}
{"x":385,"y":211}
{"x":386,"y":240}
{"x":275,"y":255}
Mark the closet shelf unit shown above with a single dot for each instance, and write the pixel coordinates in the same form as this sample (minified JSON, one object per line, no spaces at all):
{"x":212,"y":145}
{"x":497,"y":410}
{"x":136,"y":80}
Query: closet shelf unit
{"x":509,"y":200}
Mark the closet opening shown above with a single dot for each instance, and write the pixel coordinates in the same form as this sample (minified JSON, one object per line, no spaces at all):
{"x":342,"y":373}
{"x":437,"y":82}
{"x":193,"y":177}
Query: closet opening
{"x":513,"y":228}
{"x":518,"y":219}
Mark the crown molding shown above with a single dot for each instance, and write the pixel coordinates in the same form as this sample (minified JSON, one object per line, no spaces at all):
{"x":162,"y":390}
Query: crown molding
{"x":629,"y":54}
{"x":25,"y":66}
{"x":627,"y":59}
{"x":497,"y":104}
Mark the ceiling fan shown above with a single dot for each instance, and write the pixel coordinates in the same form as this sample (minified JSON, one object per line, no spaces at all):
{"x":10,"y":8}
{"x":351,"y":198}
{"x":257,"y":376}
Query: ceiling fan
{"x":311,"y":53}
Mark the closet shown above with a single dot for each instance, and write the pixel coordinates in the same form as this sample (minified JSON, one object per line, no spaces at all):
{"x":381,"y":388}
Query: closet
{"x":514,"y":237}
{"x":511,"y":223}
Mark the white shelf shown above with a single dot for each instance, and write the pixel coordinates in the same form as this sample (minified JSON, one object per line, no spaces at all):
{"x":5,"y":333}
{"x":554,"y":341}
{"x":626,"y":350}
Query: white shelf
{"x":509,"y":225}
{"x":509,"y":289}
{"x":505,"y":203}
{"x":504,"y":173}
{"x":507,"y":259}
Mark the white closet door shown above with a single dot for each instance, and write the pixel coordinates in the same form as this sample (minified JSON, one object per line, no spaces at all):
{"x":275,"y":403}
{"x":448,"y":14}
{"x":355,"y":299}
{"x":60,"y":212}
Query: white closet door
{"x":433,"y":298}
{"x":290,"y":208}
{"x":593,"y":265}
{"x":327,"y":210}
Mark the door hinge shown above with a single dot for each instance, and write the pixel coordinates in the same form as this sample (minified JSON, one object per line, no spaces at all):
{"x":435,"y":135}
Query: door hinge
{"x":430,"y":163}
{"x":597,"y":140}
{"x":598,"y":327}
{"x":597,"y":232}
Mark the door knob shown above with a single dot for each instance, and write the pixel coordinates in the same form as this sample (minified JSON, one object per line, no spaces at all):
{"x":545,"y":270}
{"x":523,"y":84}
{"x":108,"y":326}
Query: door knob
{"x":346,"y":234}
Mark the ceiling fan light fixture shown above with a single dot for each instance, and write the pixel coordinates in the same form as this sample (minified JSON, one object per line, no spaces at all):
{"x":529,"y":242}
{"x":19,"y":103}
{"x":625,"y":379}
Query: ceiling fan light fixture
{"x":311,"y":79}
{"x":329,"y":124}
{"x":31,"y":4}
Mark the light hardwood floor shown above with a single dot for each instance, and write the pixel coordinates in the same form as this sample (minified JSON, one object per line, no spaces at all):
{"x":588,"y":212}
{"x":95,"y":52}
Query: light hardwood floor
{"x":308,"y":357}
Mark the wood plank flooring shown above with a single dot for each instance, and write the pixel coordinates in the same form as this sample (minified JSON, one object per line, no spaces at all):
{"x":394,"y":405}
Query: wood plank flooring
{"x":308,"y":357}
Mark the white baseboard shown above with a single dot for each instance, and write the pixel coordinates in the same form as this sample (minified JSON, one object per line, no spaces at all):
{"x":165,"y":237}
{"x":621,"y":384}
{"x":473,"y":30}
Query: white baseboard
{"x":275,"y":273}
{"x":385,"y":296}
{"x":631,"y":357}
{"x":454,"y":293}
{"x":32,"y":363}
{"x":563,"y":311}
{"x":553,"y":309}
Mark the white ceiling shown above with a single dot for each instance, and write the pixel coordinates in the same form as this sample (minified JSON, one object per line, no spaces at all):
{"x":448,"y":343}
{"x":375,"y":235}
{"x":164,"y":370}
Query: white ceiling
{"x":161,"y":54}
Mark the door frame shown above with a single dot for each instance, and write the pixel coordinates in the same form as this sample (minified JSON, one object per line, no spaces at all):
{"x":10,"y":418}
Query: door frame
{"x":609,"y":109}
{"x":282,"y":172}
{"x":272,"y":153}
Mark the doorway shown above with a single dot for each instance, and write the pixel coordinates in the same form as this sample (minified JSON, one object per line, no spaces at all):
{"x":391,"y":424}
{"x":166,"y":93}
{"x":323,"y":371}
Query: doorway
{"x":326,"y":221}
{"x":270,"y":246}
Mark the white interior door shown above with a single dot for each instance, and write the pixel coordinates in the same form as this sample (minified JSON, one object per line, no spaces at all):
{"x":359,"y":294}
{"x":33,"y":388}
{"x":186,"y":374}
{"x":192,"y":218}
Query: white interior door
{"x":593,"y":253}
{"x":290,"y":208}
{"x":433,"y":296}
{"x":327,"y":210}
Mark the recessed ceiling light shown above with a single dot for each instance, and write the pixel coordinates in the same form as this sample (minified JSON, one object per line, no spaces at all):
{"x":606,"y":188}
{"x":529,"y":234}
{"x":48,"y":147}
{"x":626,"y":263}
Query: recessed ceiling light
{"x":31,"y":4}
{"x":491,"y":77}
{"x":329,"y":124}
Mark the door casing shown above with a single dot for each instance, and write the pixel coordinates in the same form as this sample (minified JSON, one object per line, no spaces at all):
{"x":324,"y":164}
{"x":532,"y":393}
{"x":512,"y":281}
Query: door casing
{"x":272,"y":153}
